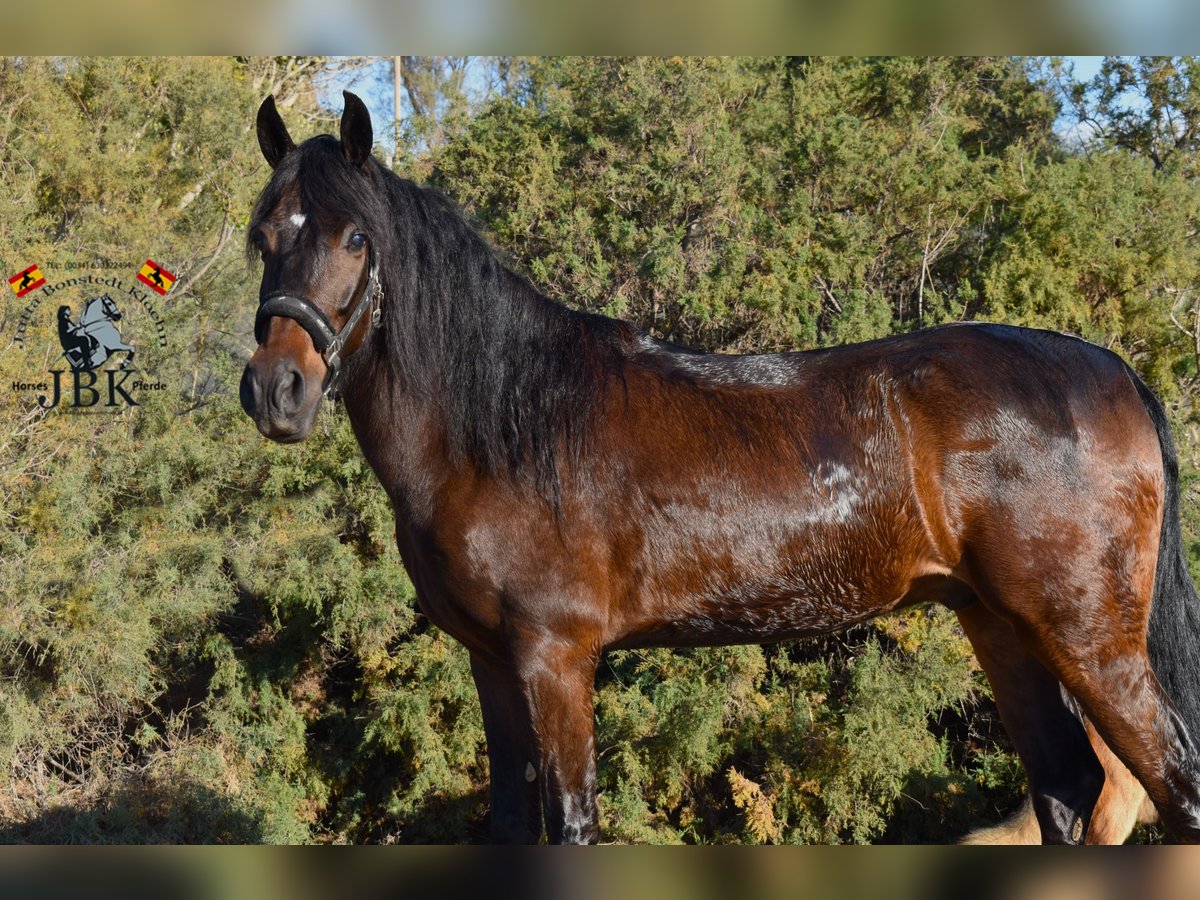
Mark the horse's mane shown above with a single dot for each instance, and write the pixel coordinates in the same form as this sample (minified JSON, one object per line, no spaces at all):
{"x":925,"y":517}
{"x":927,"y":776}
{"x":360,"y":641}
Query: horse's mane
{"x":516,"y":374}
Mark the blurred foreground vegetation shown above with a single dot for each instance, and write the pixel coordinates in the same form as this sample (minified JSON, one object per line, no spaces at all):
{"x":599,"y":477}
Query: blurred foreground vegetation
{"x":208,"y":637}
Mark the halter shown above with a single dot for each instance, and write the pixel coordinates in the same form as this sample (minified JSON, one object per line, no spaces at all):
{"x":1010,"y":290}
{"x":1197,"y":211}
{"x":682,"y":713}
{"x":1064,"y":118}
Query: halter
{"x":308,"y":316}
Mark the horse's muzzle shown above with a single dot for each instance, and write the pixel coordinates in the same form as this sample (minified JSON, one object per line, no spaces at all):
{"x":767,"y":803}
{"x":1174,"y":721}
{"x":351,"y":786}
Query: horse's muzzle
{"x":277,"y":397}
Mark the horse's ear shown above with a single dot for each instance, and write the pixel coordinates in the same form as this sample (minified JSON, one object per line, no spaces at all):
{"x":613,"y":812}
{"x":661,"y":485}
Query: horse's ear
{"x":356,"y":130}
{"x":273,"y":137}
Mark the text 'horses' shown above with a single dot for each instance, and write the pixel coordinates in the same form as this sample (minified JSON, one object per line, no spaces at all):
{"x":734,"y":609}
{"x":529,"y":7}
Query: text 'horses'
{"x":564,"y":484}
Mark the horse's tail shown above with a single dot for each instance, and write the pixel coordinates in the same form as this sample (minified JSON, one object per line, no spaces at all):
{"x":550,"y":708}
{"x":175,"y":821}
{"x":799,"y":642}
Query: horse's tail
{"x":1174,"y":636}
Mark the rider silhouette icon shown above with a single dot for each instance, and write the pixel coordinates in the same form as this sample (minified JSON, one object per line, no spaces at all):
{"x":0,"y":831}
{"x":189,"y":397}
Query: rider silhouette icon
{"x":88,"y":343}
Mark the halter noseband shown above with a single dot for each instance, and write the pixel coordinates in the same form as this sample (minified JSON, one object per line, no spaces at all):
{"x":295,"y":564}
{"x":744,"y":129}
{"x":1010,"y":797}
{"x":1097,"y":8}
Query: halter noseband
{"x":307,"y":315}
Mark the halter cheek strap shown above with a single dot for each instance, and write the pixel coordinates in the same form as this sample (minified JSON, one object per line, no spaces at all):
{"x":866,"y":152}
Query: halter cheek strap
{"x":307,"y":315}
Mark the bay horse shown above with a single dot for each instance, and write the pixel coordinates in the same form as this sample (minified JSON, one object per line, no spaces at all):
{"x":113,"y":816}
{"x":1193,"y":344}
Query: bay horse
{"x":564,"y":484}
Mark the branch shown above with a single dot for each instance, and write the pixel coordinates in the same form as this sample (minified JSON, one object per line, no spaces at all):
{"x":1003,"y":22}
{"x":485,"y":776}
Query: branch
{"x":829,"y":294}
{"x":1192,"y":333}
{"x":226,"y":232}
{"x":410,"y":86}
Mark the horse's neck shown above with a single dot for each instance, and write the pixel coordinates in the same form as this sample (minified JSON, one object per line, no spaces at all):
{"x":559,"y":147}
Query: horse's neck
{"x":403,"y":440}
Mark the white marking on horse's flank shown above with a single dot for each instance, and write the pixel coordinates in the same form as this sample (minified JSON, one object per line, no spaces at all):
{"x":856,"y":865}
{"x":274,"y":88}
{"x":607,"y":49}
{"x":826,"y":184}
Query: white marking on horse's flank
{"x":298,"y":219}
{"x":530,"y":772}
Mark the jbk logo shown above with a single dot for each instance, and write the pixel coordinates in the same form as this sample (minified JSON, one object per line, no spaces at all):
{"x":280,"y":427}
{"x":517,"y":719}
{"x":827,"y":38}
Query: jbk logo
{"x":87,"y":345}
{"x":97,"y":372}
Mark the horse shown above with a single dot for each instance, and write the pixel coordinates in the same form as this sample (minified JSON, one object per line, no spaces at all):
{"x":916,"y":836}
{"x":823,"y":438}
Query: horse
{"x":91,"y":342}
{"x":564,"y":484}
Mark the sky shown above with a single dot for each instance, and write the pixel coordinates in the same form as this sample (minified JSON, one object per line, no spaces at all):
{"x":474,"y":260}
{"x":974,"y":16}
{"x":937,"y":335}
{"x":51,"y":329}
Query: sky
{"x":1086,"y":67}
{"x":376,"y":91}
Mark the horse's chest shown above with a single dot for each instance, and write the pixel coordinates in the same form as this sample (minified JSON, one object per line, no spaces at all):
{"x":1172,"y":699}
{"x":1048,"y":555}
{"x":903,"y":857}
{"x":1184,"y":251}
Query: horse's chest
{"x":446,"y":591}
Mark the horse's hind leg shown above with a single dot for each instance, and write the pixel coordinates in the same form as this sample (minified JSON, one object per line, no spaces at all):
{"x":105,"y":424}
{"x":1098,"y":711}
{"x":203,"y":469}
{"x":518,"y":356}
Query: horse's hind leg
{"x":1123,"y":802}
{"x":1122,"y":805}
{"x":1095,"y":644}
{"x":1065,"y":777}
{"x":1133,"y":714}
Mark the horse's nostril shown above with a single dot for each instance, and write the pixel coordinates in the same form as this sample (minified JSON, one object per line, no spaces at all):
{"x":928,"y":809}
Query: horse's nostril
{"x":249,"y":391}
{"x":297,"y":389}
{"x":288,"y":396}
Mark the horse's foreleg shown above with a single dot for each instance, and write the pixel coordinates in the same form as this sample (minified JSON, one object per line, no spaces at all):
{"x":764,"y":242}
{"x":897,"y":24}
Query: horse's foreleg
{"x":516,"y":803}
{"x":540,"y":726}
{"x":1065,"y":776}
{"x":559,"y":680}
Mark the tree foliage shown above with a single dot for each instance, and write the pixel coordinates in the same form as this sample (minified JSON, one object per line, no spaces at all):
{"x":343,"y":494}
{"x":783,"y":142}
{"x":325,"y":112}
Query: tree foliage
{"x":208,"y":637}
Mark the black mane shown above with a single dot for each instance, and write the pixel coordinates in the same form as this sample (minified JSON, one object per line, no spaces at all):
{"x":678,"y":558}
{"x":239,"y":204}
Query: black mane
{"x":516,"y":374}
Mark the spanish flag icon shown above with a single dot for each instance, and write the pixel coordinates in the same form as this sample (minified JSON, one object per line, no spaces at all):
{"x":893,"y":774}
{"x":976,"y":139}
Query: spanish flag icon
{"x":29,"y":280}
{"x":156,"y":276}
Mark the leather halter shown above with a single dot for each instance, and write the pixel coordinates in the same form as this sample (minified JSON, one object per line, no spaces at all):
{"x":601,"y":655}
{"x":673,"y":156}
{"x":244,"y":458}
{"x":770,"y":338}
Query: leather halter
{"x":307,"y":315}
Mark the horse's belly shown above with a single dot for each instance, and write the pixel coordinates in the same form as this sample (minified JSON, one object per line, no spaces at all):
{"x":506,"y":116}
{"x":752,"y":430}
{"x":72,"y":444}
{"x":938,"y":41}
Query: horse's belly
{"x":822,"y":580}
{"x":757,"y":617}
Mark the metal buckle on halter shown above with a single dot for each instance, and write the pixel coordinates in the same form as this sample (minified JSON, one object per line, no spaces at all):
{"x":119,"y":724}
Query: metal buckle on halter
{"x":377,"y":312}
{"x":333,"y":368}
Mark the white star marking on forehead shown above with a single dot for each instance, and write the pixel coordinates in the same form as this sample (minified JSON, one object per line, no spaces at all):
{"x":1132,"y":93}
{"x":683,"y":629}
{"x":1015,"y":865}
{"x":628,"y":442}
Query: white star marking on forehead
{"x":297,"y":219}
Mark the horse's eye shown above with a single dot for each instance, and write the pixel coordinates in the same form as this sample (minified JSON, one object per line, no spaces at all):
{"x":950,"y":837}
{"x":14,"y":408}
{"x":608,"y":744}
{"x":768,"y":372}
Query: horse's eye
{"x":357,"y":241}
{"x":260,"y":242}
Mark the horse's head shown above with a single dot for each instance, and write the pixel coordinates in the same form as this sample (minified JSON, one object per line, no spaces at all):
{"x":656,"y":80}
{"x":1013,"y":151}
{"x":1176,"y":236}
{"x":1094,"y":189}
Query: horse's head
{"x":317,"y":227}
